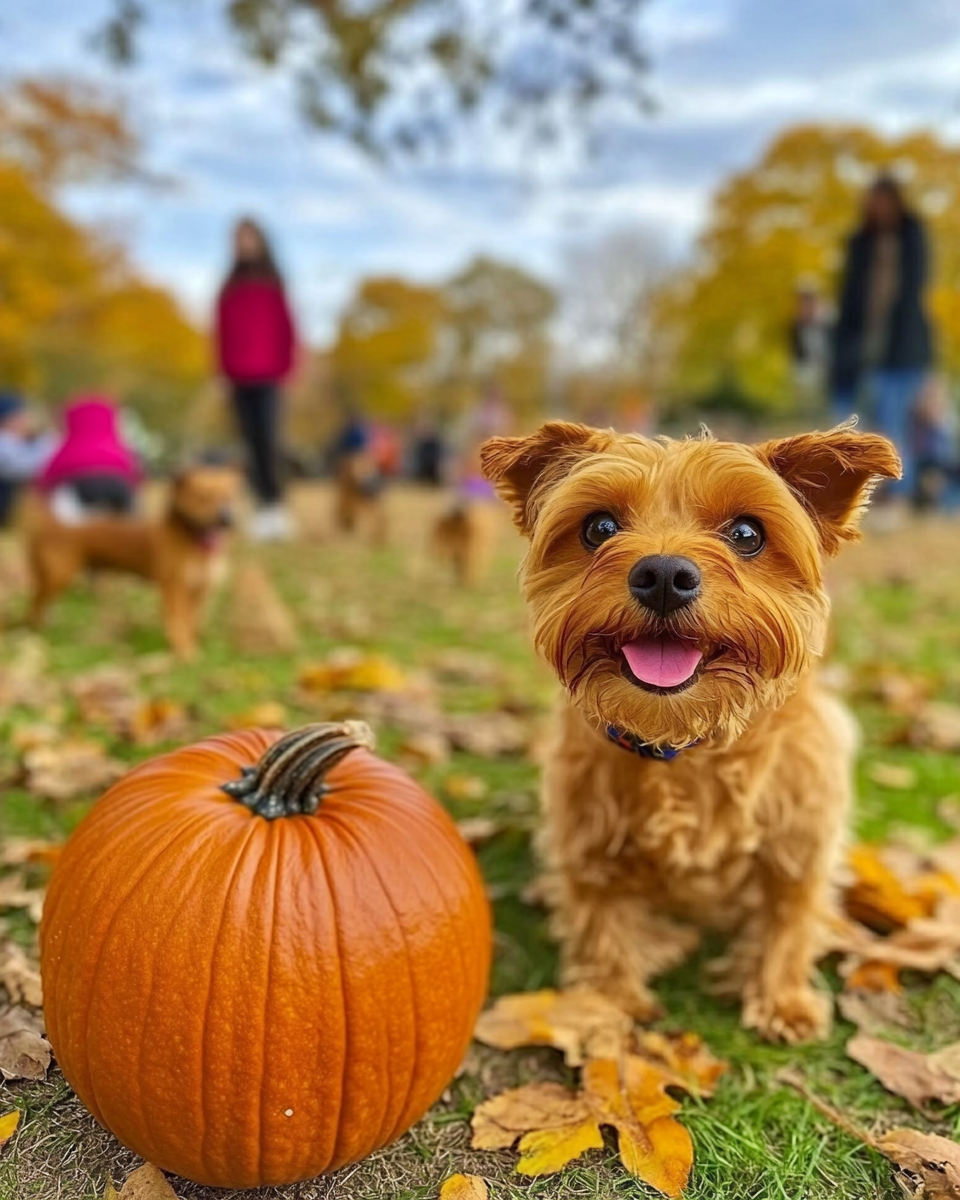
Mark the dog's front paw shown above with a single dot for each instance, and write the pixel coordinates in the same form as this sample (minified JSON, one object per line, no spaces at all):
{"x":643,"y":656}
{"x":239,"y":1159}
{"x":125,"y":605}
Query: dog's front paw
{"x":796,"y":1014}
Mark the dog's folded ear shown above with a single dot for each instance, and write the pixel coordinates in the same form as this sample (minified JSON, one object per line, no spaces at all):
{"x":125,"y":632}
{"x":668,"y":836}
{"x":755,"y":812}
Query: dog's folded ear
{"x":833,"y":474}
{"x":523,"y":468}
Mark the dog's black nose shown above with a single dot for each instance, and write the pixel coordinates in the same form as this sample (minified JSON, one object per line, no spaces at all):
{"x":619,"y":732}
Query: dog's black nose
{"x":664,"y":582}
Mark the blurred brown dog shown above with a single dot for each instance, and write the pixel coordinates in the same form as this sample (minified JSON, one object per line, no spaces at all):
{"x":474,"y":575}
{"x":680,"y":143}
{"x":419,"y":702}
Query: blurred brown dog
{"x":463,"y":538}
{"x":359,"y":504}
{"x":181,"y":552}
{"x":699,"y":777}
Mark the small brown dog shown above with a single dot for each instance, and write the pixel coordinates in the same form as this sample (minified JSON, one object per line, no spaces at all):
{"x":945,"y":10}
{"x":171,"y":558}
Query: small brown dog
{"x":463,"y":538}
{"x":181,"y":552}
{"x":360,"y":503}
{"x":699,"y":777}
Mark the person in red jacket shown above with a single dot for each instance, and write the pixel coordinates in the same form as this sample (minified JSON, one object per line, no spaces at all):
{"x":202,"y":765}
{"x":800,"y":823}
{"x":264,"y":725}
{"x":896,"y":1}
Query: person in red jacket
{"x":256,"y":346}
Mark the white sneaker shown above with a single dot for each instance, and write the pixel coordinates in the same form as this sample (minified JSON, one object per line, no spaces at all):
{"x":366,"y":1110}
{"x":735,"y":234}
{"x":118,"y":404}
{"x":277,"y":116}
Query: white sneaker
{"x":272,"y":523}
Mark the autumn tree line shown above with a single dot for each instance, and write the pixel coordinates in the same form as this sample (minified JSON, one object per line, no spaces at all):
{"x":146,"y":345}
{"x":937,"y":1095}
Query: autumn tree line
{"x":620,"y":328}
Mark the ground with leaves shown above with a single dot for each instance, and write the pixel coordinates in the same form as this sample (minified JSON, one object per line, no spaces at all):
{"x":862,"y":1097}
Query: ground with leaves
{"x":450,"y":683}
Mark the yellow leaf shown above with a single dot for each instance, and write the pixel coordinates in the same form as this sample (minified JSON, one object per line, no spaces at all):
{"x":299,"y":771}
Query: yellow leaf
{"x":689,"y":1062}
{"x":8,"y":1126}
{"x":547,"y":1151}
{"x":579,"y":1022}
{"x":270,"y":714}
{"x":663,"y":1157}
{"x":349,"y":671}
{"x":463,"y":1187}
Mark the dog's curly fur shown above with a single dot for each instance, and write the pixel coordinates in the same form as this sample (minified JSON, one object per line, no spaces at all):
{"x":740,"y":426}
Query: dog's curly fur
{"x":739,"y":832}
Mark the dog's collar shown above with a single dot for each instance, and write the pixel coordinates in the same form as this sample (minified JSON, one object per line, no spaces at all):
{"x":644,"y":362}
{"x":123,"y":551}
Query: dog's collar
{"x":630,"y":741}
{"x":208,"y":537}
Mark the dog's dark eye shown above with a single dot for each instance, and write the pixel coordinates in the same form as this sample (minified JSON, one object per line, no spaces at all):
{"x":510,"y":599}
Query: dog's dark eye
{"x":597,"y":529}
{"x":746,"y":536}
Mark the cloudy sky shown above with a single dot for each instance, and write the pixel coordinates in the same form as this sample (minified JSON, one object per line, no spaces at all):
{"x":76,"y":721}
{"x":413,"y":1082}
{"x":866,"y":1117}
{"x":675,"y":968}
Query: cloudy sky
{"x":727,"y":75}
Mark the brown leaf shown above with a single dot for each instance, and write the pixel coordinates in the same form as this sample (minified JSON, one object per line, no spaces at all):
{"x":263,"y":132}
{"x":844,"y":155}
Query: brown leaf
{"x":18,"y":977}
{"x":428,"y":748}
{"x":937,"y":727}
{"x":477,"y":830}
{"x":580,"y":1022}
{"x":158,"y":720}
{"x":463,"y":1187}
{"x":15,"y":894}
{"x":8,"y":1126}
{"x":884,"y":898}
{"x":107,"y":696}
{"x":927,"y":1165}
{"x":917,"y":1077}
{"x":497,"y":1123}
{"x":488,"y":735}
{"x":24,"y":1053}
{"x":875,"y":1011}
{"x":18,"y":852}
{"x":70,"y":769}
{"x":146,"y":1183}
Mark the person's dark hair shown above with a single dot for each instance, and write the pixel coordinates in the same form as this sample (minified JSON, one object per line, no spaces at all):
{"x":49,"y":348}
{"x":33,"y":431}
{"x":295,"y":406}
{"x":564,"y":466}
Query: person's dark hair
{"x":263,"y":266}
{"x":887,"y":185}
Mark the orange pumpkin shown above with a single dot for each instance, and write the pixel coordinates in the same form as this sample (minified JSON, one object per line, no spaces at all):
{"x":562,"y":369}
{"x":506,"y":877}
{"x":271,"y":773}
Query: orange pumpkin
{"x":256,"y":983}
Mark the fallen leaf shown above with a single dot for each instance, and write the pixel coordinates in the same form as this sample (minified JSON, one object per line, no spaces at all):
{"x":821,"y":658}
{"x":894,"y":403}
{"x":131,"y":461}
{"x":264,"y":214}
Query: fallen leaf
{"x":884,"y":899}
{"x":475,"y":831}
{"x":918,"y":1078}
{"x":350,"y":671}
{"x":24,"y":1052}
{"x":8,"y":1126}
{"x":893,"y":776}
{"x":158,"y":720}
{"x":580,"y":1022}
{"x":927,"y":1165}
{"x":146,"y":1183}
{"x":15,"y":894}
{"x":429,"y":748}
{"x":72,"y":768}
{"x":18,"y":852}
{"x":927,"y":944}
{"x":106,"y":696}
{"x":633,"y":1099}
{"x":497,"y":1123}
{"x":465,"y":787}
{"x":18,"y":977}
{"x":685,"y":1058}
{"x":270,"y":714}
{"x":463,"y":1187}
{"x":873,"y":976}
{"x":936,"y":727}
{"x":463,"y":666}
{"x":875,"y":1011}
{"x":488,"y":735}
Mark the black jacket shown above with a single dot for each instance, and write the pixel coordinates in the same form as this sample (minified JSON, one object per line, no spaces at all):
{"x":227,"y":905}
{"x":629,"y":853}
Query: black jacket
{"x":908,"y":342}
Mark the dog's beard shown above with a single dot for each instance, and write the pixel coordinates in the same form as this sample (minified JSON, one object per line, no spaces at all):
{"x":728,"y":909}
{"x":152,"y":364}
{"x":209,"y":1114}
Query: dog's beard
{"x":752,"y":656}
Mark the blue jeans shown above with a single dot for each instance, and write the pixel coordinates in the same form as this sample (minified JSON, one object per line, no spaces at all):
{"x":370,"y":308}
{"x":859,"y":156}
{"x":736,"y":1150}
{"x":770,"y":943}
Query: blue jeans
{"x":890,"y":398}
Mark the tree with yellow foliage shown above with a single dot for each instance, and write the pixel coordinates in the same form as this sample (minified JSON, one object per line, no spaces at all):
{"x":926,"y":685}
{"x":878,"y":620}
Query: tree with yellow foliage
{"x":725,"y":318}
{"x":74,"y":313}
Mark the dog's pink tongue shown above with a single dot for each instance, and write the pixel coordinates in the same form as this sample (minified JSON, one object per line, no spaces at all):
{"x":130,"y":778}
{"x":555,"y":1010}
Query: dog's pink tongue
{"x":662,"y":661}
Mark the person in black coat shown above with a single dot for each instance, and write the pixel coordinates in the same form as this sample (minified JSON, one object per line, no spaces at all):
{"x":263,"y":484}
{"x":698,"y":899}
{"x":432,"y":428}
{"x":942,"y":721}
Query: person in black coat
{"x":882,"y":345}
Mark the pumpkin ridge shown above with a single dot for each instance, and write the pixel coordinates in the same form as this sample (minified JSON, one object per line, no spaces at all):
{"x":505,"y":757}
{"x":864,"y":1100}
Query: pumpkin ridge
{"x":274,"y":864}
{"x":221,"y":920}
{"x":184,"y":900}
{"x":341,"y":972}
{"x":450,"y":916}
{"x":108,"y":930}
{"x":414,"y":1007}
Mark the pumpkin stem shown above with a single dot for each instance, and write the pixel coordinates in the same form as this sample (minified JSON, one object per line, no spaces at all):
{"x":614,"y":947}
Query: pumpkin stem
{"x":289,"y":779}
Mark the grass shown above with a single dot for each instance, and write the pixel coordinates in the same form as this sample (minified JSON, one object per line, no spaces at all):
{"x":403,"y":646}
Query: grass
{"x":894,"y":602}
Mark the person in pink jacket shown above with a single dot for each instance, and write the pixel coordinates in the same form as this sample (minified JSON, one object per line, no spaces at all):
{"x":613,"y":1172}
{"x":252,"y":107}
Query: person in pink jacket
{"x":92,"y":470}
{"x":256,"y":346}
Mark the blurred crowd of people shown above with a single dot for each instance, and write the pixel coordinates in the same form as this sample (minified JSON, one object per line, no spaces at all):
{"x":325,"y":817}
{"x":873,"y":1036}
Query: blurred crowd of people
{"x":870,"y":354}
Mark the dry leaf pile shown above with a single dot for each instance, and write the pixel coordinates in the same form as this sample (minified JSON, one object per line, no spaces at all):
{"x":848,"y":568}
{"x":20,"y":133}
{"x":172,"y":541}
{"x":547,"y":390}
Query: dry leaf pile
{"x":624,"y":1082}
